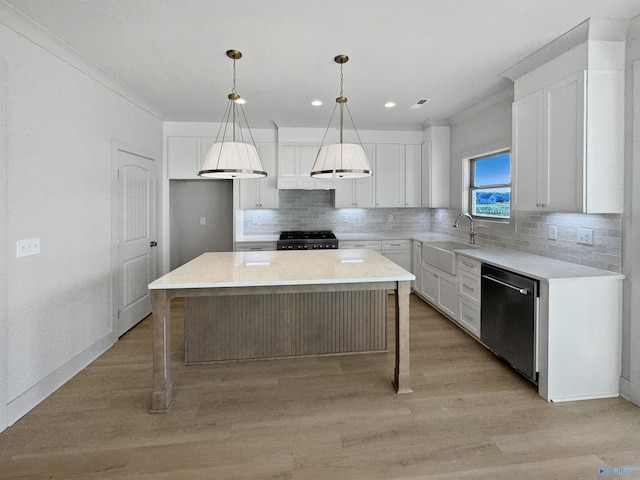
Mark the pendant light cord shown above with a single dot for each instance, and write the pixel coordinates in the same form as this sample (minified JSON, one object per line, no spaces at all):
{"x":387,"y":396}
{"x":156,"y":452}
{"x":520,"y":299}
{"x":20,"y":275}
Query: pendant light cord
{"x":341,"y":104}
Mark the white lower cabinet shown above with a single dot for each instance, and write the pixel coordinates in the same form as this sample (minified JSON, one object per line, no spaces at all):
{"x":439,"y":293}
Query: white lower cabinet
{"x":255,"y":246}
{"x":469,"y":294}
{"x":370,"y":244}
{"x":469,"y":316}
{"x":440,"y":289}
{"x":416,"y":260}
{"x":398,"y":251}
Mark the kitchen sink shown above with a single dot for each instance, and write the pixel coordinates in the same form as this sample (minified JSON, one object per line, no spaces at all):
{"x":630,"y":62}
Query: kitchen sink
{"x":441,"y":254}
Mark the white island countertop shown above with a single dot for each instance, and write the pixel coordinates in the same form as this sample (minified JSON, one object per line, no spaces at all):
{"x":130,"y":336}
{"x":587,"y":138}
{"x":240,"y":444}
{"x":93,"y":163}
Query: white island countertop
{"x":270,"y":268}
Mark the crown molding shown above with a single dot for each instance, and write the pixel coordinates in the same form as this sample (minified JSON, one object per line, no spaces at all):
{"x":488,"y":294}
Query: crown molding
{"x":499,"y":96}
{"x":16,"y":21}
{"x":591,"y":29}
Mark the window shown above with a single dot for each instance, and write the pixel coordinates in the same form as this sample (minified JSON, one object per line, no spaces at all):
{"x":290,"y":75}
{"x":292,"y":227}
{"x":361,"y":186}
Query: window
{"x":490,"y":187}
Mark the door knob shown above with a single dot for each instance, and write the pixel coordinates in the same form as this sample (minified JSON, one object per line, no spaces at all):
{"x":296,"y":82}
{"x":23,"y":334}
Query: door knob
{"x":153,"y":244}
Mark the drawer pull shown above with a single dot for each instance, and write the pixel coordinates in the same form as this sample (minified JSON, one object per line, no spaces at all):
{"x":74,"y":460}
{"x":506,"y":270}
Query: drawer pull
{"x":470,"y":265}
{"x":468,"y":287}
{"x":468,"y":317}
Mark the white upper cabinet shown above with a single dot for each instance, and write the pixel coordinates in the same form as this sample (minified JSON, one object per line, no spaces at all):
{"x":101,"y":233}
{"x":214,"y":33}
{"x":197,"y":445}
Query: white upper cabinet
{"x":412,"y":175}
{"x":389,"y":175}
{"x":294,"y":167}
{"x":568,"y":132}
{"x":261,"y":192}
{"x":435,"y":167}
{"x":360,"y":192}
{"x":548,"y":148}
{"x":183,"y":154}
{"x":527,"y":148}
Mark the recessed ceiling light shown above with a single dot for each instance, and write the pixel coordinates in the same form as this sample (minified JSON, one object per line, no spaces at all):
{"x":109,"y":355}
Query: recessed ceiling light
{"x":390,"y":104}
{"x":316,"y":103}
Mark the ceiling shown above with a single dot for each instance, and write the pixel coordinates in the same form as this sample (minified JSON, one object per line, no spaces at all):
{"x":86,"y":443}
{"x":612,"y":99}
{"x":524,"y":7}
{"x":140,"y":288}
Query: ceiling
{"x":171,"y":53}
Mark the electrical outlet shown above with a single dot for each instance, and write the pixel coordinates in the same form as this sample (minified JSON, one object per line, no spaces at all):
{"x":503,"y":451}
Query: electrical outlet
{"x":30,"y":246}
{"x":441,"y":218}
{"x":391,"y":218}
{"x":345,"y":219}
{"x":203,"y":220}
{"x":254,"y":220}
{"x":553,"y":232}
{"x":585,"y":236}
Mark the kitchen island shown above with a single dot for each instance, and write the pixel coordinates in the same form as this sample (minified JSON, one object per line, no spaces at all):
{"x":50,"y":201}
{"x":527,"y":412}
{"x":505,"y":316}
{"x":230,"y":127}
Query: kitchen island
{"x":274,"y":273}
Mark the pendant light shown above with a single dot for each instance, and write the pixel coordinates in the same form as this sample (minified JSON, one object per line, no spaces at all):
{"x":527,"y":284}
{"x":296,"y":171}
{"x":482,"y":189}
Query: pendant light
{"x":233,"y":159}
{"x":341,"y":160}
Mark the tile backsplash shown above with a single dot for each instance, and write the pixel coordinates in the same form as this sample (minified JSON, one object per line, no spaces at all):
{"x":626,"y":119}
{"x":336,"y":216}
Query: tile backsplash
{"x":313,"y":210}
{"x":532,"y":232}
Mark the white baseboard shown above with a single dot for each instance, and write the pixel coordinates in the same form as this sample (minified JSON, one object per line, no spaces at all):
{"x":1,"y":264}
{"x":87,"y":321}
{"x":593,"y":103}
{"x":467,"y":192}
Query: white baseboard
{"x":22,"y":404}
{"x":625,"y":389}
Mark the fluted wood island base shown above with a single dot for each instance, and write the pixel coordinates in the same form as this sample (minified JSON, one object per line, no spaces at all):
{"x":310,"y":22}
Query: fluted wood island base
{"x":227,"y":274}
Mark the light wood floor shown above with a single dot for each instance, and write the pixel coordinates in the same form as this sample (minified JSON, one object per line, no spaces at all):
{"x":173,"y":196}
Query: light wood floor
{"x":470,"y":417}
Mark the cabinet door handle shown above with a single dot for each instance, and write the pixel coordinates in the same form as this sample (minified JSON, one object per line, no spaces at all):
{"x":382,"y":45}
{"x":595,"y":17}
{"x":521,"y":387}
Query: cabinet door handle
{"x":467,"y":316}
{"x":468,"y":287}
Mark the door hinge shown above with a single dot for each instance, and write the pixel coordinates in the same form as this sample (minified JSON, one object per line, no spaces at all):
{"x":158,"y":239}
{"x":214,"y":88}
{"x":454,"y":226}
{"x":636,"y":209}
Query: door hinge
{"x":118,"y":314}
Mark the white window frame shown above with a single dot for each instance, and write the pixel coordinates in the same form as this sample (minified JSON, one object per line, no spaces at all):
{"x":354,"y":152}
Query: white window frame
{"x":508,"y":225}
{"x":473,"y":189}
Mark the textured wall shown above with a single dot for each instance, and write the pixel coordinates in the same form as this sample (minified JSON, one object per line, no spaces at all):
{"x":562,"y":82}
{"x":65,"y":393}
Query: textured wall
{"x":313,"y":210}
{"x":60,"y":127}
{"x":532,"y":231}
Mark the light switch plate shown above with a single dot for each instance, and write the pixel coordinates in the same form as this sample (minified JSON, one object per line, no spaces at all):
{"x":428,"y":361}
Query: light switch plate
{"x":553,"y":232}
{"x":30,"y":246}
{"x":585,"y":236}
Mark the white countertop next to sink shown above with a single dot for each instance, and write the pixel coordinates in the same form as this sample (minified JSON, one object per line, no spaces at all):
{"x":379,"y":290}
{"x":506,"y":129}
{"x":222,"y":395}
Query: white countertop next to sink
{"x":395,"y":235}
{"x":534,"y":266}
{"x":269,"y":268}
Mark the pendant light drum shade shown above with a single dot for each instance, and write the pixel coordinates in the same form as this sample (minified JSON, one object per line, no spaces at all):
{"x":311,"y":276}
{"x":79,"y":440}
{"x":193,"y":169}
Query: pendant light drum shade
{"x":232,"y":160}
{"x":341,"y":160}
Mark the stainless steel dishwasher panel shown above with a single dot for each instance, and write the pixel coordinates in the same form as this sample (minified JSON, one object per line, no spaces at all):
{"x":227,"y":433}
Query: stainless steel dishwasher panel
{"x":508,"y":318}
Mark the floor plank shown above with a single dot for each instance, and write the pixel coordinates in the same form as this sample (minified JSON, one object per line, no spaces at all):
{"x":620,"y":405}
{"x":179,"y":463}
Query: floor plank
{"x":333,"y":417}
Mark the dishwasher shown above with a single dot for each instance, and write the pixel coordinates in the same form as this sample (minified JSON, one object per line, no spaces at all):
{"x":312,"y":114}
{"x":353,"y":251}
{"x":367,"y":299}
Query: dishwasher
{"x":508,"y":318}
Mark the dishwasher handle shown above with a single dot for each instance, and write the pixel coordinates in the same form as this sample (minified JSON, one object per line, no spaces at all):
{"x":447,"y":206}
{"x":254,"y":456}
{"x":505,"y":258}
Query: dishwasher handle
{"x":523,"y":291}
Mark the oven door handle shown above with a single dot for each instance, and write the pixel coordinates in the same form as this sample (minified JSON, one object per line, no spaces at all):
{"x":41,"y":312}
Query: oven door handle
{"x":523,"y":291}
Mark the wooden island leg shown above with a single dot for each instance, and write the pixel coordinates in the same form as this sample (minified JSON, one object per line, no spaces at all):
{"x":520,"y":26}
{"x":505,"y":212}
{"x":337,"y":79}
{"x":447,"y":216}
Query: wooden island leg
{"x":162,"y":386}
{"x":401,"y":374}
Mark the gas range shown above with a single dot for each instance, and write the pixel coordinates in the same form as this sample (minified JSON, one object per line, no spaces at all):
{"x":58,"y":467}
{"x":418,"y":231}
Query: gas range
{"x":307,"y":240}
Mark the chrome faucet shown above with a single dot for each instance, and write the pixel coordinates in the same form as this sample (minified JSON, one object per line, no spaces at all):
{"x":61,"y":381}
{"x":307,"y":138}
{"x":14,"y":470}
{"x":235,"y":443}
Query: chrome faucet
{"x":472,"y":233}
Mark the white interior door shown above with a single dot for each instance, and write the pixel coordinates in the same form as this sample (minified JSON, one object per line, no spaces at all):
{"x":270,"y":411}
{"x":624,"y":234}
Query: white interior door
{"x":136,"y":238}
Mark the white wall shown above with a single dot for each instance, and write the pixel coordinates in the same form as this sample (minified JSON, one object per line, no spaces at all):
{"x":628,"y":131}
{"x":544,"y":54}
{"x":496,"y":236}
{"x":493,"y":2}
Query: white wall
{"x":630,"y":383}
{"x":60,"y":126}
{"x":475,"y":131}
